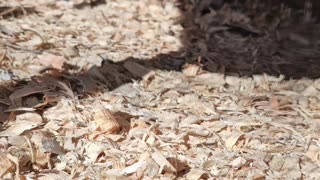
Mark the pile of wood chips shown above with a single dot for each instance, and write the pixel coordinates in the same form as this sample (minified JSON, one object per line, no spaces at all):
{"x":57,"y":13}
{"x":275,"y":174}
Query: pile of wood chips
{"x":86,"y":94}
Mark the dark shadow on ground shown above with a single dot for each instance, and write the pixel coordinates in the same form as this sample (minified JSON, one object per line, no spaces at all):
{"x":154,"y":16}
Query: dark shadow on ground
{"x":248,"y":37}
{"x":239,"y":38}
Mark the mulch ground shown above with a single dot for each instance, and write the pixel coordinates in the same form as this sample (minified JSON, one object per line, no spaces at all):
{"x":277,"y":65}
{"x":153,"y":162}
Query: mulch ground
{"x":151,"y":89}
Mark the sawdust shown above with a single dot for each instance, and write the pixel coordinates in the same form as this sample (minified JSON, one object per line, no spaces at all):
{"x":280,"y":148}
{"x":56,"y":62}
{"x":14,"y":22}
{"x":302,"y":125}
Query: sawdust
{"x":120,"y":90}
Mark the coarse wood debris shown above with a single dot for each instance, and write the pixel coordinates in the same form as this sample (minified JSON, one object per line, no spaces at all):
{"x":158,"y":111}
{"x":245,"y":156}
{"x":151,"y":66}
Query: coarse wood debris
{"x":159,"y":89}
